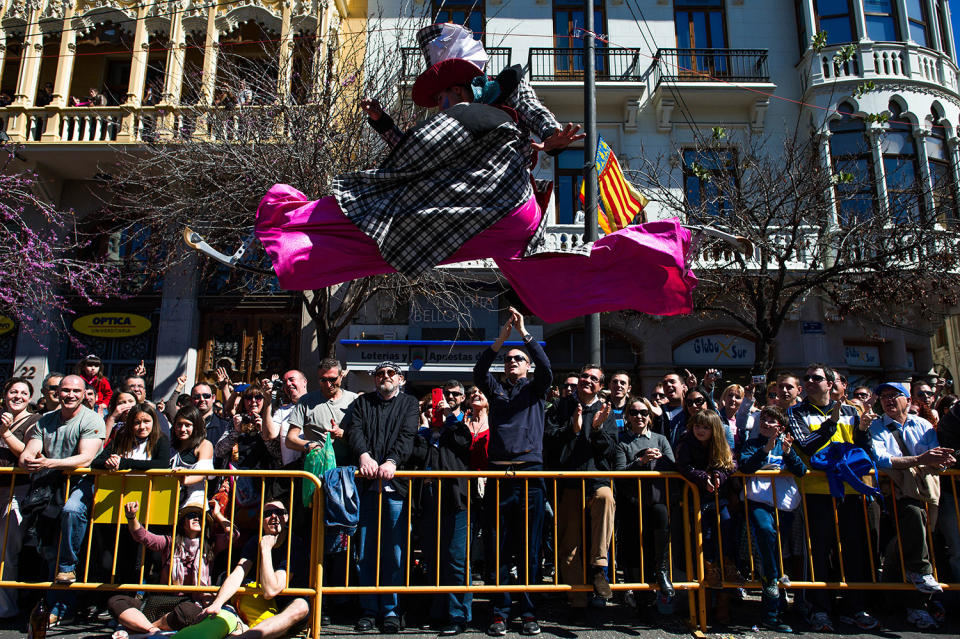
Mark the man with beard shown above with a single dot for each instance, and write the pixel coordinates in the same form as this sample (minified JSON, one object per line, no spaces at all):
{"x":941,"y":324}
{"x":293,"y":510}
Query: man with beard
{"x":380,"y":429}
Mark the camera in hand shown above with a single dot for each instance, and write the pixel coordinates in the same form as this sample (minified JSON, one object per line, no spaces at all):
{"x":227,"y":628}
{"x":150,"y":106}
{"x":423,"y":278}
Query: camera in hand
{"x":247,"y":418}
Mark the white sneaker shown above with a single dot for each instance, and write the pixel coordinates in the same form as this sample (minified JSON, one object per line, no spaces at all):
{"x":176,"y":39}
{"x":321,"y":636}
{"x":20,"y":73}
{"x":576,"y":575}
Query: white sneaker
{"x":921,"y":619}
{"x":924,"y":583}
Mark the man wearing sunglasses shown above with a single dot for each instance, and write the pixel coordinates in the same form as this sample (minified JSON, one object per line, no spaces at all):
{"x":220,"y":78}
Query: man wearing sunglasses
{"x":320,"y":412}
{"x":267,"y":557}
{"x":203,"y":397}
{"x":581,"y":434}
{"x":517,"y":407}
{"x":815,"y":423}
{"x":380,"y":428}
{"x":906,"y":448}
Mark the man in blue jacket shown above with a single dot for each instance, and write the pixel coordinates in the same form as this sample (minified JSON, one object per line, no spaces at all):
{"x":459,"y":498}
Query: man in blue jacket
{"x":517,"y":407}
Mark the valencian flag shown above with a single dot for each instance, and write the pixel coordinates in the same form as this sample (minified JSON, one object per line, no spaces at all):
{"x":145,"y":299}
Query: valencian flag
{"x":620,"y":203}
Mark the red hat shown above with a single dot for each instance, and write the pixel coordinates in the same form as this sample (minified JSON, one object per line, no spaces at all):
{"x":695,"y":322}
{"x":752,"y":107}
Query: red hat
{"x":442,"y":75}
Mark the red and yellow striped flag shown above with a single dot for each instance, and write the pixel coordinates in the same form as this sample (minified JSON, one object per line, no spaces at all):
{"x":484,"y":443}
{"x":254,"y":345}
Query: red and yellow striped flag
{"x":620,"y":203}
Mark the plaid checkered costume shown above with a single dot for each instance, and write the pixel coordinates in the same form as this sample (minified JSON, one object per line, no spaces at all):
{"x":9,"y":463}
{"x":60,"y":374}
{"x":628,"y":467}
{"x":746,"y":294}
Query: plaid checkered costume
{"x":448,"y":179}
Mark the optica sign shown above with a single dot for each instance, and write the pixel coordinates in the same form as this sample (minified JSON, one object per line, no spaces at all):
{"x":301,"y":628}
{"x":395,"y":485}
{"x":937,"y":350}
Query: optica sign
{"x":111,"y":325}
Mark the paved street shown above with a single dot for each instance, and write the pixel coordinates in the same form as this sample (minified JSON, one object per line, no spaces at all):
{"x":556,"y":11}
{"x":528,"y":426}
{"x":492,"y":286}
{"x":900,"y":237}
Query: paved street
{"x":609,"y":622}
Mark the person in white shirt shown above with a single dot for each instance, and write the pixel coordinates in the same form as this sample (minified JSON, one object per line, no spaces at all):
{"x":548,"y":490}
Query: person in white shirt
{"x":905,"y":447}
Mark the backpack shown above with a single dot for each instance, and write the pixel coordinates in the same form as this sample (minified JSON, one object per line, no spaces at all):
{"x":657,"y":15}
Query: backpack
{"x":848,"y":463}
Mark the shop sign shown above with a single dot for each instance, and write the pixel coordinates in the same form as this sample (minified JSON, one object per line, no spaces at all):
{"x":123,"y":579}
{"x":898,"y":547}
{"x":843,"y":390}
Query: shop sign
{"x":111,"y":325}
{"x":862,"y":356}
{"x":812,"y":328}
{"x":711,"y":350}
{"x":6,"y":324}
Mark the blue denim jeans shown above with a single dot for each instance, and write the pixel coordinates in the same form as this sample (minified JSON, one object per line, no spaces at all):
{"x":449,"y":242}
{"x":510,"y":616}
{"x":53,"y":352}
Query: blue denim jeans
{"x":455,"y":607}
{"x":391,"y":539}
{"x":764,"y":527}
{"x":73,"y":524}
{"x":513,"y":536}
{"x":712,"y":546}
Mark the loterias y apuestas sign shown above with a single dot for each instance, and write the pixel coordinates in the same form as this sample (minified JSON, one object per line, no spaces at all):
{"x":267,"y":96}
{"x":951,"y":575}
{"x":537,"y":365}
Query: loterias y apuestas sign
{"x":6,"y":324}
{"x":111,"y":325}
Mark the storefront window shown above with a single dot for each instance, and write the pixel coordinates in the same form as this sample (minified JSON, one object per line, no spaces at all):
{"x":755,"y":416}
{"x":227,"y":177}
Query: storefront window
{"x":119,"y":354}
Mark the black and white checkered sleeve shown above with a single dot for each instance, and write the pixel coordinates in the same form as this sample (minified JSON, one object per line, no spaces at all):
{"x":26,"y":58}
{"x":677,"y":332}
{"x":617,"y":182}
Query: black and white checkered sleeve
{"x":534,"y":116}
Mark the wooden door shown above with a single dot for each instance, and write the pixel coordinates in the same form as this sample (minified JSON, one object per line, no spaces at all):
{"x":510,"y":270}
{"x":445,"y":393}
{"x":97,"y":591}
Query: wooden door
{"x":249,"y":345}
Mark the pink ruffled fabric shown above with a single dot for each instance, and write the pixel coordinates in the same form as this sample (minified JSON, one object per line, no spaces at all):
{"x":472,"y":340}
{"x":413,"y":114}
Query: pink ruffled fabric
{"x":313,"y":245}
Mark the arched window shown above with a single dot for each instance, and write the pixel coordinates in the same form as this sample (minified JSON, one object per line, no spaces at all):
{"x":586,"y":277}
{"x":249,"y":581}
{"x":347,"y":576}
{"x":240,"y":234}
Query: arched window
{"x":901,"y":168}
{"x":941,"y":173}
{"x":850,"y":156}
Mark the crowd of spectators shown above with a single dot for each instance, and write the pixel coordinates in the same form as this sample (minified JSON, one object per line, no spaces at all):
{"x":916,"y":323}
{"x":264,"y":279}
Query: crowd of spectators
{"x":506,"y":530}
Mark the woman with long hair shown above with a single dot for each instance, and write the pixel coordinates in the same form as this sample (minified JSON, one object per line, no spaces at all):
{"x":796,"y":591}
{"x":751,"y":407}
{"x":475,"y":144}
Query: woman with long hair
{"x":190,"y":450}
{"x":16,"y":421}
{"x":705,"y":459}
{"x":120,"y":403}
{"x":161,"y":612}
{"x":138,"y":445}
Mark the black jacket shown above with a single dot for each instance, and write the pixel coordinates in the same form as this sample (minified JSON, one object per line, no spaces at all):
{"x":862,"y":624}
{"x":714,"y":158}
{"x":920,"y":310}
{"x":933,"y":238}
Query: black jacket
{"x":383,"y":428}
{"x":590,"y":449}
{"x":516,"y":410}
{"x":159,"y":459}
{"x":452,"y":452}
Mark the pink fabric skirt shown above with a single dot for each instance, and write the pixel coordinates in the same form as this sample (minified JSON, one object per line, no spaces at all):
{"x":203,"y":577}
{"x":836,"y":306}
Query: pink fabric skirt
{"x":314,"y":245}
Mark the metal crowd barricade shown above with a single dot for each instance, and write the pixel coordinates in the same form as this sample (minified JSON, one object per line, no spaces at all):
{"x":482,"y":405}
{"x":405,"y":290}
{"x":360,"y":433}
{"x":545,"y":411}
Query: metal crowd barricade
{"x":312,"y":593}
{"x":869,"y":531}
{"x":692,"y":545}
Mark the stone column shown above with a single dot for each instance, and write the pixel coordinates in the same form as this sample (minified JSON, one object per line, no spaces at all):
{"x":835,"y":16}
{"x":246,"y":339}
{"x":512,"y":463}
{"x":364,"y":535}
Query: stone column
{"x":173,"y":77}
{"x":26,"y":91}
{"x":61,"y":84}
{"x":919,"y":141}
{"x":321,"y":51}
{"x":210,"y":52}
{"x":179,"y":328}
{"x":285,"y":51}
{"x":874,"y":135}
{"x":138,"y":75}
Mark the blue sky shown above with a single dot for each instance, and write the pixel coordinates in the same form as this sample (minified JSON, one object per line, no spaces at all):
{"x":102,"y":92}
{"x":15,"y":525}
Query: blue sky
{"x":955,"y":17}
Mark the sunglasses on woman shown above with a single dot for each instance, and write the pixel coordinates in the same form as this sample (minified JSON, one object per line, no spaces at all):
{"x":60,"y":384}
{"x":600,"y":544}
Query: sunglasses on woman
{"x":695,"y":401}
{"x":633,"y":412}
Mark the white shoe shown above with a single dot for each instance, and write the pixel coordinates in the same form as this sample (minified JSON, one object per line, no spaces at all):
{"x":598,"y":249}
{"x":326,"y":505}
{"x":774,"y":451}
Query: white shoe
{"x":921,"y":619}
{"x":924,"y":583}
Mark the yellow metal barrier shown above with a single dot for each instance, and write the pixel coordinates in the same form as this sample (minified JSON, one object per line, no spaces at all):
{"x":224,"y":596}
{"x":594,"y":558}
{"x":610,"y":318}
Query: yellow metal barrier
{"x":121,"y":487}
{"x":153,"y":489}
{"x":813,"y":583}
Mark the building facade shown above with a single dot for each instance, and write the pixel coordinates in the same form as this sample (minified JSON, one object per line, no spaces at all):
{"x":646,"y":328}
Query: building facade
{"x":666,"y":71}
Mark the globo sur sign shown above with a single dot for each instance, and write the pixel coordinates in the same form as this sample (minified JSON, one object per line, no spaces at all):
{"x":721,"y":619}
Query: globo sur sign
{"x":111,"y":325}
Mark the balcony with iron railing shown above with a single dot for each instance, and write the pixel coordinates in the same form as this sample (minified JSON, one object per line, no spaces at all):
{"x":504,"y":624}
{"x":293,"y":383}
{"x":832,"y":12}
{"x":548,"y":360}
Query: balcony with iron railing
{"x":414,"y":64}
{"x":710,"y":65}
{"x":703,"y":79}
{"x":566,"y":64}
